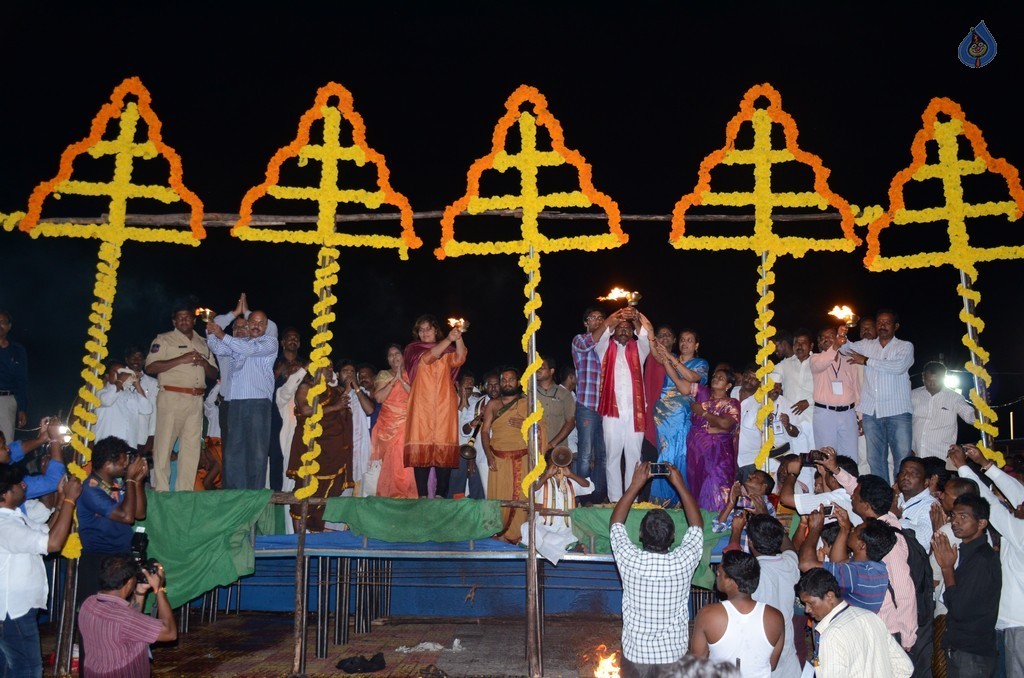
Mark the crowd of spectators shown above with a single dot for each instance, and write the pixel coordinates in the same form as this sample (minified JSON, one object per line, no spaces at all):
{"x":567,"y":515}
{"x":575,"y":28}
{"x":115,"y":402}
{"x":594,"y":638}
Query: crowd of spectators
{"x":934,"y":558}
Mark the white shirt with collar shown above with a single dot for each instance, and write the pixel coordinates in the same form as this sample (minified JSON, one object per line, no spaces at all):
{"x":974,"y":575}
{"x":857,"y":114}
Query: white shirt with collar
{"x":623,"y":377}
{"x":935,"y":420}
{"x":798,"y":383}
{"x":1011,"y":549}
{"x":917,"y":516}
{"x":119,"y":414}
{"x":855,"y":642}
{"x":360,"y":435}
{"x":886,"y":388}
{"x":23,"y":584}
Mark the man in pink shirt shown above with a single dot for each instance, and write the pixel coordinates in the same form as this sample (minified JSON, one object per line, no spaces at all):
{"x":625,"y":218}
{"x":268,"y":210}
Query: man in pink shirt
{"x":836,"y":393}
{"x":116,"y":635}
{"x":872,"y":498}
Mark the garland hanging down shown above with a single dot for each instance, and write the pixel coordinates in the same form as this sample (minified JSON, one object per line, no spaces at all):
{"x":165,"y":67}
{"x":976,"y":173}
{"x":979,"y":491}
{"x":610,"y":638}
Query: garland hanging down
{"x":762,"y":156}
{"x":950,"y":169}
{"x":327,"y":194}
{"x":126,"y":152}
{"x":532,"y":202}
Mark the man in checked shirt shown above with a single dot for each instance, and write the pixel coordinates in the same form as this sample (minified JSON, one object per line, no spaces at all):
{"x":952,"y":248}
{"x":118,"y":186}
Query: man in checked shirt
{"x":655,"y":578}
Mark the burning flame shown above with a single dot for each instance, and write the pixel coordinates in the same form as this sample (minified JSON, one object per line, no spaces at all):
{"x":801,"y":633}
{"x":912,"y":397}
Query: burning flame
{"x":616,"y":293}
{"x":201,"y":311}
{"x":608,"y":664}
{"x":844,"y":313}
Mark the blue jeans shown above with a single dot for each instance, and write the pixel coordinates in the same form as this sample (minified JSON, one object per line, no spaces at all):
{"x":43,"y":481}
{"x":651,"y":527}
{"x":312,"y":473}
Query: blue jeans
{"x":20,"y":656}
{"x":887,"y":433}
{"x":590,"y":452}
{"x":248,"y":446}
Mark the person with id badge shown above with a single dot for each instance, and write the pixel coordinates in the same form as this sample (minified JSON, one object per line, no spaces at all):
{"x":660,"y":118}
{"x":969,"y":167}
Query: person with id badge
{"x":836,"y":394}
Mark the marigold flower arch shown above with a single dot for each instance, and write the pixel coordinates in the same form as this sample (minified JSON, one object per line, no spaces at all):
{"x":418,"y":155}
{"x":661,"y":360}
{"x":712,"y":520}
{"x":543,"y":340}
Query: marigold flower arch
{"x":327,"y":195}
{"x":950,"y":170}
{"x":762,"y":157}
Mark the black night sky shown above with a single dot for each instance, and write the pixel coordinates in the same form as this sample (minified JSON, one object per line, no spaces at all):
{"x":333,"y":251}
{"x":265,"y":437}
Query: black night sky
{"x":643,"y":93}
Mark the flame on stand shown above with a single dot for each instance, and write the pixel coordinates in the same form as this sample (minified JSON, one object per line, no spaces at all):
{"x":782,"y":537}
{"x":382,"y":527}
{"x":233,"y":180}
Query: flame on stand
{"x":205,"y":314}
{"x":615,"y":294}
{"x":461,"y":323}
{"x":608,"y":663}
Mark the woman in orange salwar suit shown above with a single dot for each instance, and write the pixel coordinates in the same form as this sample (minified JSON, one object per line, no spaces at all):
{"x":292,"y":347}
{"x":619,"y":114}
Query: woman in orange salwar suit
{"x":431,"y":434}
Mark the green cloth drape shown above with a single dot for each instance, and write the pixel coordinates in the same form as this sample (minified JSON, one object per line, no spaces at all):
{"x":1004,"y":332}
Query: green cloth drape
{"x":202,"y":538}
{"x":594,"y":522}
{"x":416,"y":520}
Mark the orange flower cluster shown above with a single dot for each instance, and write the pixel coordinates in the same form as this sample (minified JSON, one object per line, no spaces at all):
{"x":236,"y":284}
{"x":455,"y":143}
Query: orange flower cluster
{"x":530,"y":200}
{"x":120,"y":189}
{"x":327,"y":194}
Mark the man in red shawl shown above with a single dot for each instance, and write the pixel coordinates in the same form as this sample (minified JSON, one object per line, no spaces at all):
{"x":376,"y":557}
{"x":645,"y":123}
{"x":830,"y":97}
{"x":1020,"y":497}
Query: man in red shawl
{"x":622,"y":393}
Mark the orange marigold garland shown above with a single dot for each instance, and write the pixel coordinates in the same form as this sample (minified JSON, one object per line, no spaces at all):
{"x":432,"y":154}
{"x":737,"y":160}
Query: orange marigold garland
{"x":950,"y":170}
{"x":762,"y":157}
{"x":126,"y":152}
{"x":532,"y":202}
{"x":327,"y":195}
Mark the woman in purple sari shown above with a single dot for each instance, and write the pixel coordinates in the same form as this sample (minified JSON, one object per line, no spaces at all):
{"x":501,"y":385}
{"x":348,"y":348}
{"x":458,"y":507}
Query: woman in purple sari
{"x":711,"y":452}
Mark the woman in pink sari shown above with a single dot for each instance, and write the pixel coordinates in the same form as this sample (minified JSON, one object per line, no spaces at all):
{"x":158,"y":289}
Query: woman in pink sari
{"x":387,"y":443}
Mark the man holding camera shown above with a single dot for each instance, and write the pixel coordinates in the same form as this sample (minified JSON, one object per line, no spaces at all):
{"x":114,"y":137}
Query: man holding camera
{"x":108,"y":508}
{"x":115,"y":633}
{"x":23,"y":584}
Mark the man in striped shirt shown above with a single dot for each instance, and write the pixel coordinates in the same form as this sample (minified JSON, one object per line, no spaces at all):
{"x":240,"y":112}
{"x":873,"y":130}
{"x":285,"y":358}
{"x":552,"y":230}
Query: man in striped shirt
{"x":863,"y":581}
{"x":116,"y":635}
{"x":252,"y":390}
{"x":590,"y":445}
{"x":885,"y":403}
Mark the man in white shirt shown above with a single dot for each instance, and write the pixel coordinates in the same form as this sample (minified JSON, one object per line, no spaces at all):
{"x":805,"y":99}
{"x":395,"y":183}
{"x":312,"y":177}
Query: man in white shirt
{"x":914,"y":501}
{"x":798,"y":382}
{"x":935,"y":411}
{"x":135,"y":358}
{"x":361,"y":406}
{"x":885,"y":397}
{"x":830,"y":493}
{"x":621,"y":404}
{"x":121,"y":406}
{"x":1010,"y":524}
{"x":23,"y":583}
{"x":780,"y":571}
{"x":849,"y":641}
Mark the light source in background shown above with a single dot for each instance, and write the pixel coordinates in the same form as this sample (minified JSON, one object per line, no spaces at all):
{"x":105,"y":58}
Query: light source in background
{"x":205,"y":314}
{"x":951,"y":381}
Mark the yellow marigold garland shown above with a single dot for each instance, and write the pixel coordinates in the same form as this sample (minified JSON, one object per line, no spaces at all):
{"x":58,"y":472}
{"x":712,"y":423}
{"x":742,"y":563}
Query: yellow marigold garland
{"x":762,"y":157}
{"x":126,"y":151}
{"x":319,"y":358}
{"x":532,"y":202}
{"x":951,"y":169}
{"x":327,"y":195}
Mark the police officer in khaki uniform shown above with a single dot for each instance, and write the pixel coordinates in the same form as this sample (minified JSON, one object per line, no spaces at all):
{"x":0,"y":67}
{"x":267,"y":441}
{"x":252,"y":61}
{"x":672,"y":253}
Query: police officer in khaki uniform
{"x":181,"y":361}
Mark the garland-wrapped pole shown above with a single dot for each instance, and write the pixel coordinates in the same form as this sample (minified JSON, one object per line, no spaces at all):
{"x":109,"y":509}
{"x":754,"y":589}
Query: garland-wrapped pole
{"x":987,"y":417}
{"x":534,"y":639}
{"x":951,"y":167}
{"x":532,"y":203}
{"x":765,"y":332}
{"x":333,"y":106}
{"x":112,"y":233}
{"x":761,"y":157}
